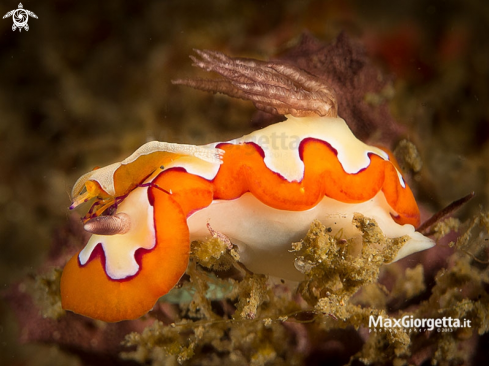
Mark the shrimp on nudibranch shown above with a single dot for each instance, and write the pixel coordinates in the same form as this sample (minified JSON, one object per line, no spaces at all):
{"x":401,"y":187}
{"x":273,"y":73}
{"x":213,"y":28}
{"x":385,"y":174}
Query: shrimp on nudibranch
{"x":262,"y":191}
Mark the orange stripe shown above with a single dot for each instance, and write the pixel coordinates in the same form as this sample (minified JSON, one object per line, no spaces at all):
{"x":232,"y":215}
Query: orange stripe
{"x":244,"y":170}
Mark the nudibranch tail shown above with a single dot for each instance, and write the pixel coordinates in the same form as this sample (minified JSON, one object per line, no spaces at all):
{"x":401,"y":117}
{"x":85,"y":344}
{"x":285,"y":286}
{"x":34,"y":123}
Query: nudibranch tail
{"x":273,"y":87}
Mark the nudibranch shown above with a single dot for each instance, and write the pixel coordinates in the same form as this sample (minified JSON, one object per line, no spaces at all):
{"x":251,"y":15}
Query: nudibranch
{"x":262,"y":191}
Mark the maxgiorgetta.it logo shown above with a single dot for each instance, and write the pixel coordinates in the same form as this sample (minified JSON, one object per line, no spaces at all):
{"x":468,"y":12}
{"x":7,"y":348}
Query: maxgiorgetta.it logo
{"x":20,"y":17}
{"x":410,"y":324}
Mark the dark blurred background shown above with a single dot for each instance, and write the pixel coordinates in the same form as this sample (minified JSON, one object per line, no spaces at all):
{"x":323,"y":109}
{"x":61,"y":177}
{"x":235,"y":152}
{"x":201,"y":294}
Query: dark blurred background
{"x":90,"y":82}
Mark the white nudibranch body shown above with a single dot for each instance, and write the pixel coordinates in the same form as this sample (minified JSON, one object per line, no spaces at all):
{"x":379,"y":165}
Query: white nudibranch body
{"x":261,"y":191}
